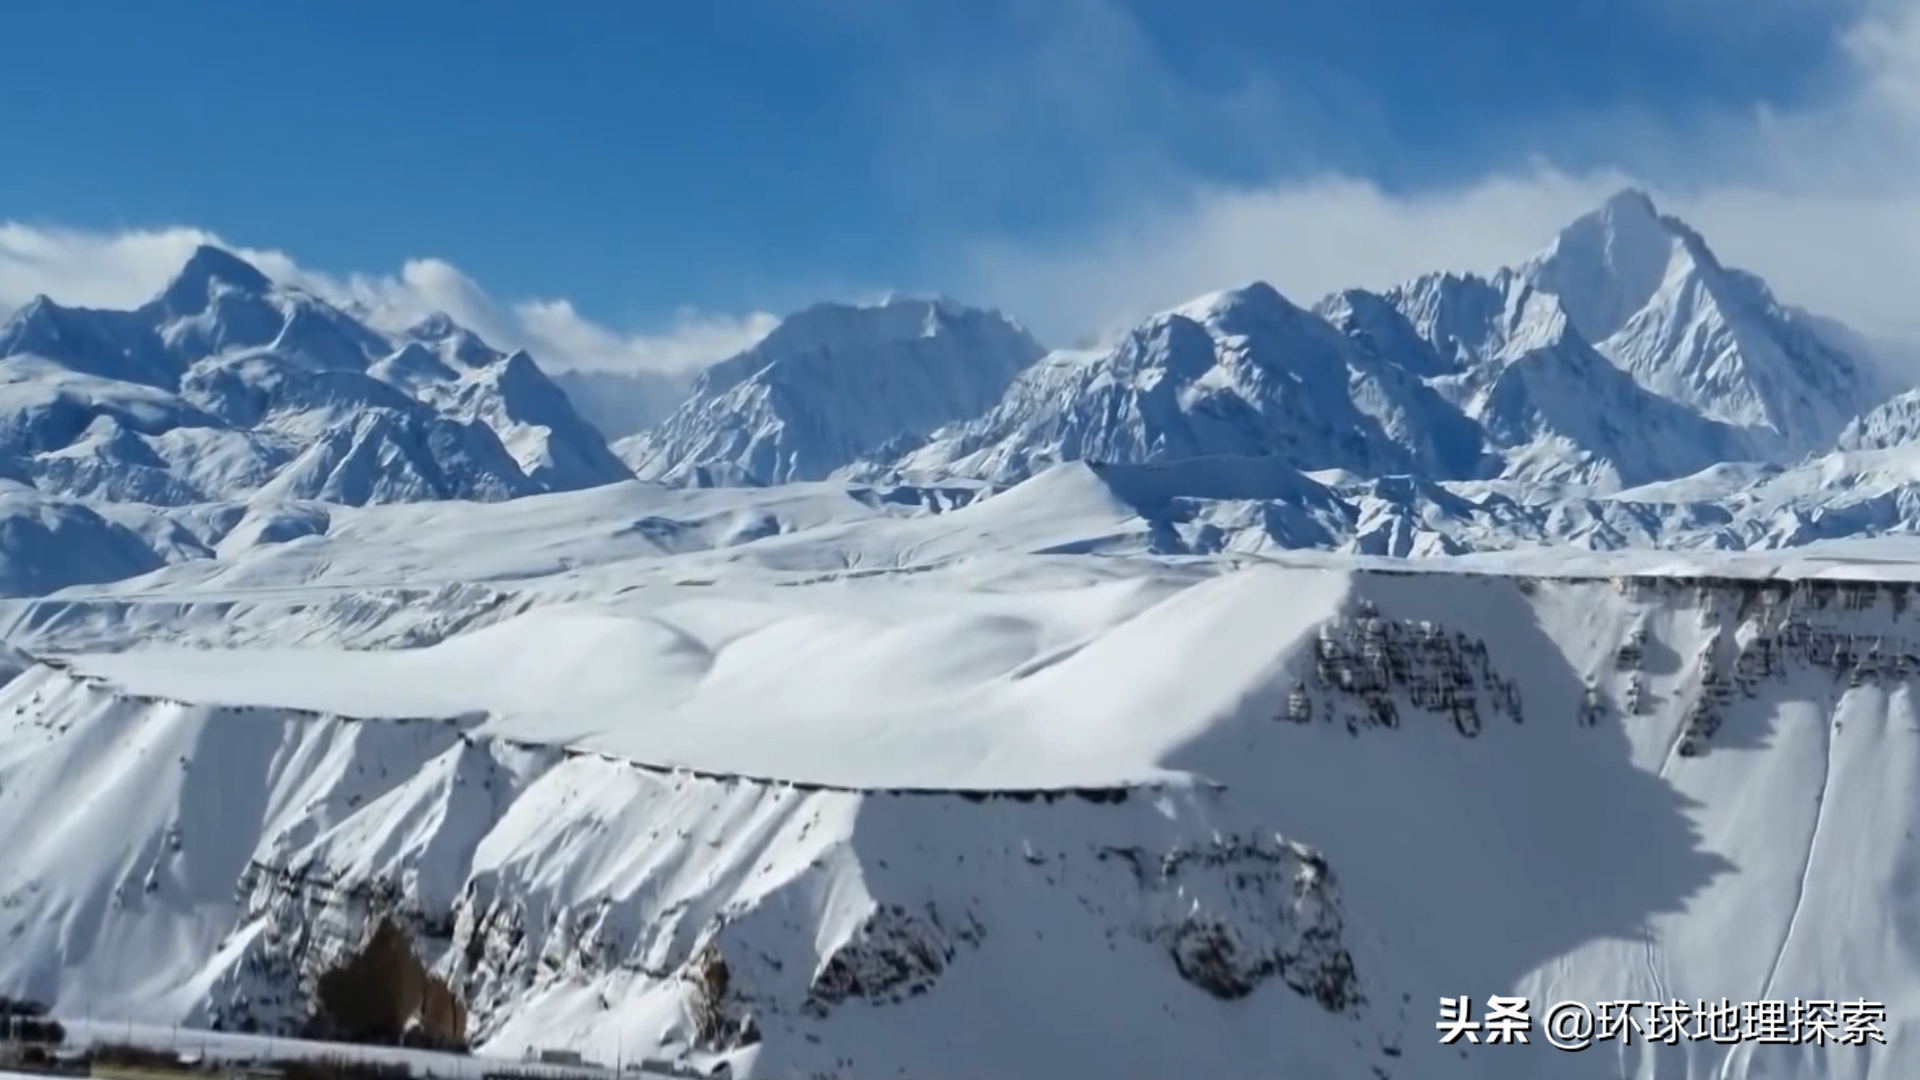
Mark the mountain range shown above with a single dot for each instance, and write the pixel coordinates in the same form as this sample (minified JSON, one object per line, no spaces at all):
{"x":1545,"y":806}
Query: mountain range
{"x":901,"y":698}
{"x":1620,"y":387}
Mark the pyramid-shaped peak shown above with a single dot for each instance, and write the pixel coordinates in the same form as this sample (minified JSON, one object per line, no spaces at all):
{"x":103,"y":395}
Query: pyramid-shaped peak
{"x":520,"y":364}
{"x":1630,"y":201}
{"x":1625,"y":229}
{"x":33,"y":323}
{"x":40,"y":306}
{"x":209,"y":265}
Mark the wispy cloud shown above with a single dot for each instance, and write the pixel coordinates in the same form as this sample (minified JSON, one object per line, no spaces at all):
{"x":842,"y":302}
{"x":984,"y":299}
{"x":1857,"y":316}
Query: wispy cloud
{"x":1822,"y":200}
{"x":124,"y":269}
{"x":98,"y":269}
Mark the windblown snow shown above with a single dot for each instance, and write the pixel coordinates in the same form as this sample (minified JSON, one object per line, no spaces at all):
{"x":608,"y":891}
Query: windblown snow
{"x":1206,"y":704}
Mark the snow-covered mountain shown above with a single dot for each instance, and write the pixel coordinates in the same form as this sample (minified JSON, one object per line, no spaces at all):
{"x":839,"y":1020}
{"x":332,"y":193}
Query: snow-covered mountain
{"x":833,"y":385}
{"x":229,"y":385}
{"x":960,"y":710}
{"x":1645,"y":291}
{"x":1242,"y":373}
{"x":1015,"y":816}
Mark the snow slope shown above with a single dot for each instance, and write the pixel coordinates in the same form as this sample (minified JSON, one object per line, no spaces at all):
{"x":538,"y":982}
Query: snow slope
{"x":603,"y":824}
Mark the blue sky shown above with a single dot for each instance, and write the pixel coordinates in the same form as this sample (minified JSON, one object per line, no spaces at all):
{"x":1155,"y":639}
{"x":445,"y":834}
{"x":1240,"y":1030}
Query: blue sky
{"x":641,"y":159}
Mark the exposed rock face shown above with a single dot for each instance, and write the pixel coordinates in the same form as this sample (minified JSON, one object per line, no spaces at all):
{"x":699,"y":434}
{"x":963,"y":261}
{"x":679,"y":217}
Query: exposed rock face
{"x":1765,"y":631}
{"x":385,"y":995}
{"x":1280,"y":920}
{"x":720,"y":1022}
{"x":1757,"y":632}
{"x":895,"y":954}
{"x":1366,"y":665}
{"x":338,"y":960}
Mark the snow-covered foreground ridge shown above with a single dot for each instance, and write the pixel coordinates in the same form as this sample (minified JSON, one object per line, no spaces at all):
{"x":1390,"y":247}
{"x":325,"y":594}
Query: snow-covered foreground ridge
{"x":1250,"y":827}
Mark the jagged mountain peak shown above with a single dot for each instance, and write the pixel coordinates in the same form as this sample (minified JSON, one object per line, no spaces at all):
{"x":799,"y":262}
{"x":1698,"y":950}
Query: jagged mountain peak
{"x":1610,"y":262}
{"x":518,"y":370}
{"x":222,"y":384}
{"x":109,"y":344}
{"x":455,"y":343}
{"x":208,"y":269}
{"x":1239,"y":373}
{"x":936,"y":303}
{"x":34,"y":324}
{"x":38,"y":306}
{"x":1631,"y":200}
{"x":1645,"y":290}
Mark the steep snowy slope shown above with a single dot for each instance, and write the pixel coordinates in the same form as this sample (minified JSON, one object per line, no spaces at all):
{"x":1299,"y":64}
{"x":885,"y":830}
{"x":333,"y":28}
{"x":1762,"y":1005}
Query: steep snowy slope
{"x":1646,"y":289}
{"x":809,"y":926}
{"x":832,"y":385}
{"x":1896,"y":422}
{"x":228,"y":384}
{"x":1552,"y":408}
{"x":1729,"y":373}
{"x":1559,"y":411}
{"x":1623,"y":354}
{"x":1250,"y":772}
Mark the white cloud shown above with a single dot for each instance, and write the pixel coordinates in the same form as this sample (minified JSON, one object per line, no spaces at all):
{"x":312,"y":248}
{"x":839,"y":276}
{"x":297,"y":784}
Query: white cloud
{"x":124,"y":269}
{"x":1824,"y":203}
{"x":1305,"y":239}
{"x":91,"y":269}
{"x":694,"y":340}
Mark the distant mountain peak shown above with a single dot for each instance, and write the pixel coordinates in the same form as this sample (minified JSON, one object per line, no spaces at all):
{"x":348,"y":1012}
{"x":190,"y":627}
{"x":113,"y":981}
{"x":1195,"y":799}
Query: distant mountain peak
{"x":1631,"y":200}
{"x":454,"y":342}
{"x":434,"y":326}
{"x":209,"y":266}
{"x":833,"y":382}
{"x":1609,"y":261}
{"x":1227,"y":305}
